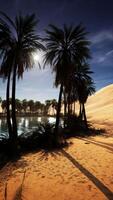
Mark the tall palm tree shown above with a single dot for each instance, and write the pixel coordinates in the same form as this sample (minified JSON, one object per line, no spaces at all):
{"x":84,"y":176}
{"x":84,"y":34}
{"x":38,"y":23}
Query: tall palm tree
{"x":37,"y":106}
{"x":18,"y":41}
{"x":7,"y":60}
{"x":88,"y":89}
{"x":64,"y":48}
{"x":84,"y":87}
{"x":24,"y":105}
{"x":31,"y":105}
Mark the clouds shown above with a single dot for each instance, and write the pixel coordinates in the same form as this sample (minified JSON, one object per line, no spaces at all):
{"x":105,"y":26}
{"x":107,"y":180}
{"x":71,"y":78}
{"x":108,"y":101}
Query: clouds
{"x":108,"y":55}
{"x":101,"y":37}
{"x":96,"y":15}
{"x":103,"y":58}
{"x":102,"y":47}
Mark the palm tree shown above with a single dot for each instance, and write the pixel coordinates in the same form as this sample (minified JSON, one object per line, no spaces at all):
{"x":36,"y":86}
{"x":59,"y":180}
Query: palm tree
{"x":18,"y":41}
{"x":4,"y":106}
{"x":47,"y":106}
{"x":54,"y":105}
{"x":84,"y":87}
{"x":88,"y":89}
{"x":5,"y":71}
{"x":64,"y":48}
{"x":42,"y":108}
{"x":37,"y":106}
{"x":18,"y":105}
{"x":31,"y":105}
{"x":0,"y":101}
{"x":24,"y":105}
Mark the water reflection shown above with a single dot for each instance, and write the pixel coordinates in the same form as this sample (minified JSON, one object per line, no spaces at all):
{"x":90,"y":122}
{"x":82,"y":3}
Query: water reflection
{"x":25,"y":124}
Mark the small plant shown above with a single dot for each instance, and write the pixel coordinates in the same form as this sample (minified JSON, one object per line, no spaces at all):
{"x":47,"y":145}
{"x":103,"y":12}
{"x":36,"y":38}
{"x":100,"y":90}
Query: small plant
{"x":43,"y":137}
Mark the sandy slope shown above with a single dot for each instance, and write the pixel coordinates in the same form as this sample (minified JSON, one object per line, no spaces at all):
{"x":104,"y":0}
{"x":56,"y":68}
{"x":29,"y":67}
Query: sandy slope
{"x":99,"y":108}
{"x":100,"y":105}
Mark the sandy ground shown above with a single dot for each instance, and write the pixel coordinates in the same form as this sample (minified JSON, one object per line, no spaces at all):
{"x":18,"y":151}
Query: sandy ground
{"x":83,"y":171}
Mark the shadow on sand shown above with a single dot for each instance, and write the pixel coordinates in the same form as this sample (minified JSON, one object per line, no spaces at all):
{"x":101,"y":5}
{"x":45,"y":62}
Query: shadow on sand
{"x":101,"y":144}
{"x":105,"y":190}
{"x":44,"y":155}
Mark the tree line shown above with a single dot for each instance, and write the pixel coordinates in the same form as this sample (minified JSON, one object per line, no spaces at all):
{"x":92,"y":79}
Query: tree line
{"x":30,"y":106}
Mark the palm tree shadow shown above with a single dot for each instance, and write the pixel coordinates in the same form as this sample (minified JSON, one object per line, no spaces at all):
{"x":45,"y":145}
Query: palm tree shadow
{"x":105,"y":190}
{"x":45,"y":154}
{"x":101,"y":144}
{"x":104,"y":143}
{"x":18,"y":193}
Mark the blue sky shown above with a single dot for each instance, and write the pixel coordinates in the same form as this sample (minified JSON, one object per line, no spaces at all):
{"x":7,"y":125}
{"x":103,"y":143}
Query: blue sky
{"x":96,"y":16}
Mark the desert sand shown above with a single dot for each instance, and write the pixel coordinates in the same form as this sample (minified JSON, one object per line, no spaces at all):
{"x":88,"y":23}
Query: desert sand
{"x":83,"y":171}
{"x":99,"y":108}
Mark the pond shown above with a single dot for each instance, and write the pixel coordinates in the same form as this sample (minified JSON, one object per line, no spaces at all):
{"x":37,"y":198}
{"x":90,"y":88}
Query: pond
{"x":25,"y":124}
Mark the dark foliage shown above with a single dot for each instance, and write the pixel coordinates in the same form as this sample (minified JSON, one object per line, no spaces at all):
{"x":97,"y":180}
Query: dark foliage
{"x":43,"y":137}
{"x":74,"y":126}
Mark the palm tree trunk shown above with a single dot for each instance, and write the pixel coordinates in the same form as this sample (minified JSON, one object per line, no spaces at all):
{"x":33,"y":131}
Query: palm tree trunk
{"x":65,"y":108}
{"x":58,"y":110}
{"x":84,"y":114}
{"x":14,"y":123}
{"x":71,"y":107}
{"x":7,"y":107}
{"x":69,"y":112}
{"x":74,"y":108}
{"x":80,"y":111}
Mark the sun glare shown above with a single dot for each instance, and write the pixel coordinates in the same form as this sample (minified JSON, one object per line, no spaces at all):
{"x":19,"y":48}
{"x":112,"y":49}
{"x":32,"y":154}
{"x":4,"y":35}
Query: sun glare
{"x":36,"y":57}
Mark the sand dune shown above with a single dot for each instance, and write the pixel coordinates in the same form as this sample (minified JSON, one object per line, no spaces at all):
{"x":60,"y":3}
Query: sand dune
{"x":99,"y":109}
{"x":100,"y":105}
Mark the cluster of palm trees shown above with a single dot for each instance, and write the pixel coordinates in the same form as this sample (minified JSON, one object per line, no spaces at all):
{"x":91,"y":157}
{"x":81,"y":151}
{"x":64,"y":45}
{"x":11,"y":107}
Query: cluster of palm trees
{"x":66,"y":50}
{"x":24,"y":106}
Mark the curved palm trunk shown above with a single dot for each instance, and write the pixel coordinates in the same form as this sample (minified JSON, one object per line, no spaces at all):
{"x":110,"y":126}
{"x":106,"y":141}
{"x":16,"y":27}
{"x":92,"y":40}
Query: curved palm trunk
{"x":14,"y":123}
{"x":84,"y":115}
{"x":74,"y":111}
{"x":58,"y":110}
{"x":7,"y":107}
